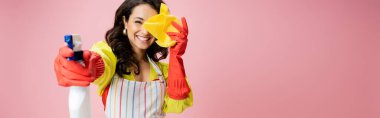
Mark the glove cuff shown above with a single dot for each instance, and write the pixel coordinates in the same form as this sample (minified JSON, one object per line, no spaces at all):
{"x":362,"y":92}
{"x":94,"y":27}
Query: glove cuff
{"x":177,"y":84}
{"x":99,"y":66}
{"x":178,"y":89}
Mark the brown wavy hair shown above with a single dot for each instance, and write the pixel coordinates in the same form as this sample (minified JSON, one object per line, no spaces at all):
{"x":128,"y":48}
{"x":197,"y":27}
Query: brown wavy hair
{"x":120,"y":44}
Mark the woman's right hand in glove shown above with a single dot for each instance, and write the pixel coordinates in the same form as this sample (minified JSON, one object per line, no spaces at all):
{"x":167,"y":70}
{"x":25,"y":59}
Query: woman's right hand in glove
{"x":73,"y":73}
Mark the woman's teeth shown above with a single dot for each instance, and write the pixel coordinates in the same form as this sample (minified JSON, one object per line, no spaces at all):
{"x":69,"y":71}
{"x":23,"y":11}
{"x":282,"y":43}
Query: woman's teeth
{"x":143,"y":38}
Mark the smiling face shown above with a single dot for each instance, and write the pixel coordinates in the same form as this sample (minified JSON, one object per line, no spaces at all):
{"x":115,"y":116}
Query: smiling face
{"x":139,"y":38}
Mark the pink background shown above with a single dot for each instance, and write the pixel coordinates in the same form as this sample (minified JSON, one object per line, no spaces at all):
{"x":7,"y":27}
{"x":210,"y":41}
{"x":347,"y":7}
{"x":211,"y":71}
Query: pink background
{"x":245,"y":58}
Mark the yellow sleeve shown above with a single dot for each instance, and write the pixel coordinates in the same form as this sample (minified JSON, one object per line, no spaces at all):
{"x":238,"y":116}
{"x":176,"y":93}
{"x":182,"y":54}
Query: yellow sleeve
{"x":109,"y":60}
{"x":173,"y":105}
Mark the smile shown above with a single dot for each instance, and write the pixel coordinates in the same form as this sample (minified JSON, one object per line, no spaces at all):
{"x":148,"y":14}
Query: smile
{"x":143,"y":38}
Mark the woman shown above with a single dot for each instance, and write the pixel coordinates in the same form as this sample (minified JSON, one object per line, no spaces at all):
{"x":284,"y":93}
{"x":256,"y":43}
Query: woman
{"x":126,"y":67}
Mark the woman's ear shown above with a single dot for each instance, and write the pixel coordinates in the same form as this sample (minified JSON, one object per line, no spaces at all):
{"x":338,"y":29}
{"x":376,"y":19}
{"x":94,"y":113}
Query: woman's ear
{"x":125,"y":22}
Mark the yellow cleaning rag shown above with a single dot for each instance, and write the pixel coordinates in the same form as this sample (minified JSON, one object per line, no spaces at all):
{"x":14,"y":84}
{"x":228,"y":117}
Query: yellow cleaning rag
{"x":160,"y":24}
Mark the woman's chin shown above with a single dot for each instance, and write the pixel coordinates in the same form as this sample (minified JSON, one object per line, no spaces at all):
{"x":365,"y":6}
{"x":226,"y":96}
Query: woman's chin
{"x":143,"y":46}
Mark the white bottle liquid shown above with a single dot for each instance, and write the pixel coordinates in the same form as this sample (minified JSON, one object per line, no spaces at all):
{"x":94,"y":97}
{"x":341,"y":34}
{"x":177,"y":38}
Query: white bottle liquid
{"x":79,"y":102}
{"x":79,"y":97}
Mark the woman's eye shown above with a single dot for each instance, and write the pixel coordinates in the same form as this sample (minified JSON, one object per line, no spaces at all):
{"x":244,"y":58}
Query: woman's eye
{"x":138,"y":22}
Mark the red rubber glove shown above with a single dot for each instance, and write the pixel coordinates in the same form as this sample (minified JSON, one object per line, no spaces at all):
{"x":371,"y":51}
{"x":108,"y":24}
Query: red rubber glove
{"x":72,"y":73}
{"x":178,"y":87}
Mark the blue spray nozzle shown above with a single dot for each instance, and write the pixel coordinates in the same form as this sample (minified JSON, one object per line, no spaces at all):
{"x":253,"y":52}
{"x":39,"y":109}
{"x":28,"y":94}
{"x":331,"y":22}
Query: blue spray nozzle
{"x":69,"y":41}
{"x":78,"y":54}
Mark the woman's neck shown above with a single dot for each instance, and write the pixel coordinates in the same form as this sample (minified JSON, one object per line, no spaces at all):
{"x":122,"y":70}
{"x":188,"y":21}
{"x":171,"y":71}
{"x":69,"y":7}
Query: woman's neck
{"x":140,"y":55}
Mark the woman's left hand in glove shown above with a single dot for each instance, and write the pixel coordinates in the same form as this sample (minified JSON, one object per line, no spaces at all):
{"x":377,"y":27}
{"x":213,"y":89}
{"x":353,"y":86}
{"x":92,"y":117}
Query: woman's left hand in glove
{"x":178,"y":87}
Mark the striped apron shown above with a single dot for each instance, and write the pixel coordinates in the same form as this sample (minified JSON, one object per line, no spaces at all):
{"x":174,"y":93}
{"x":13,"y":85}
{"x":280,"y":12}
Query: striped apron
{"x":134,"y":99}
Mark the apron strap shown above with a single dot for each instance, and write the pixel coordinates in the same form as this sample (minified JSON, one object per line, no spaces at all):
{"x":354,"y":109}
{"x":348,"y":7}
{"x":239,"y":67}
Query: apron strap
{"x":156,"y":69}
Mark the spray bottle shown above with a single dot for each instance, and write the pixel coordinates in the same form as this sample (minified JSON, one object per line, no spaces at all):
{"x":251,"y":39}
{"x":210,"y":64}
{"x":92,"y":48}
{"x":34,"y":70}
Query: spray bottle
{"x":79,"y":97}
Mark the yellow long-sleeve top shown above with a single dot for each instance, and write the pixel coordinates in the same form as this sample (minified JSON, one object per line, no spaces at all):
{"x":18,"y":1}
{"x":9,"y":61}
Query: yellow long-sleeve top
{"x":110,"y":60}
